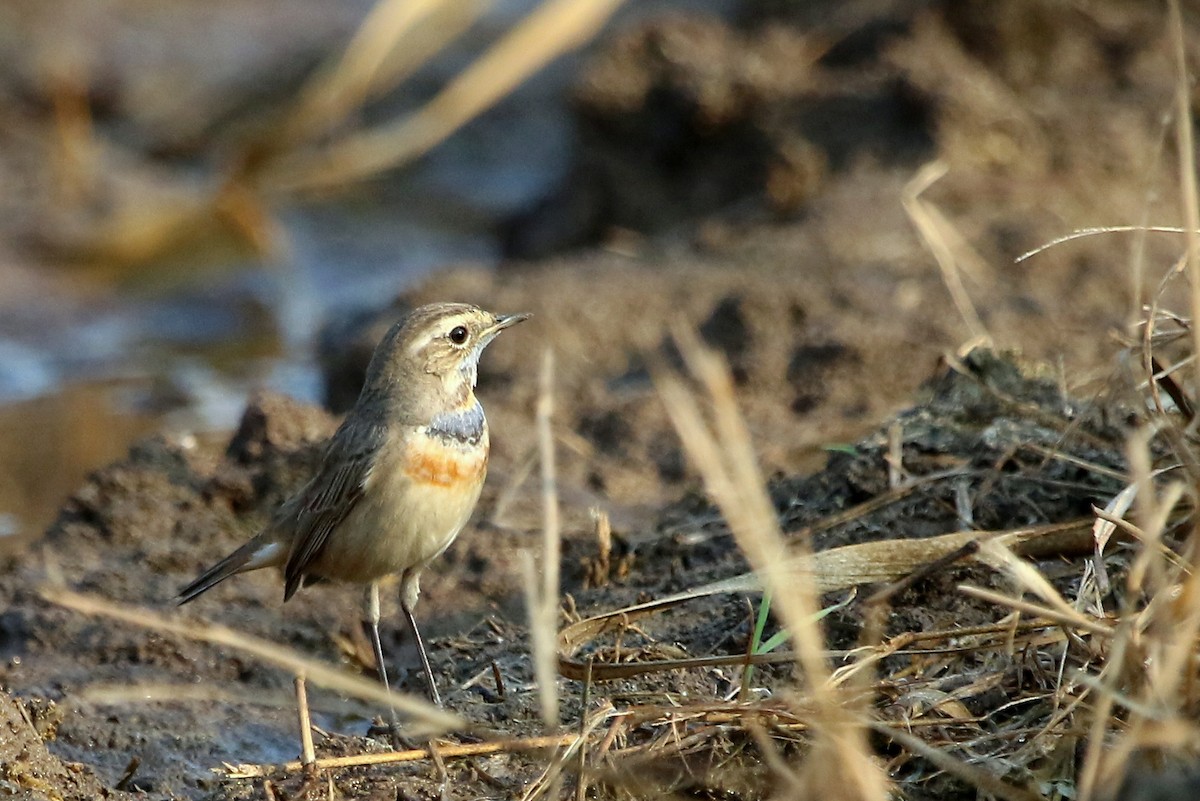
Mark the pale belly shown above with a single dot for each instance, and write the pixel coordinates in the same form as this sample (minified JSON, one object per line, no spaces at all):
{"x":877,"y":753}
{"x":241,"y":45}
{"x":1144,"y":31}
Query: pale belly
{"x":415,"y":503}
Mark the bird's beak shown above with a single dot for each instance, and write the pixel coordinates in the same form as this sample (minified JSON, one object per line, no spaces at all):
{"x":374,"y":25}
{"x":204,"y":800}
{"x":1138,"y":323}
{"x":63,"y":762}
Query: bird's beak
{"x":508,"y":320}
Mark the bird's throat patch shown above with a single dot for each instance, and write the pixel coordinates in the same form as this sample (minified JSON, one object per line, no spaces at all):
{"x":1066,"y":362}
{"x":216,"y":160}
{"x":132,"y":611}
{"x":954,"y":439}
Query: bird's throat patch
{"x":461,"y":426}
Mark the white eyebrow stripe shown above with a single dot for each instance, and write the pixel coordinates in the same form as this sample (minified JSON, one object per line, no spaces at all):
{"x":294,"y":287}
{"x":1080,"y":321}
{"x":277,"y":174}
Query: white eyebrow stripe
{"x":435,"y":329}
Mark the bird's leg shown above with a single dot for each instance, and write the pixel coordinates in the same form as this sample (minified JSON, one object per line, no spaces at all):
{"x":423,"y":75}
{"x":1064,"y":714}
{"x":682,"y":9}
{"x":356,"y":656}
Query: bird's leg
{"x":412,"y":624}
{"x":372,"y":610}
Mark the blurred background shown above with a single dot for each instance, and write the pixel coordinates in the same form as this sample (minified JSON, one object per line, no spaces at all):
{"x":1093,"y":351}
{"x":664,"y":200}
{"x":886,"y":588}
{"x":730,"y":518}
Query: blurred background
{"x":166,"y":244}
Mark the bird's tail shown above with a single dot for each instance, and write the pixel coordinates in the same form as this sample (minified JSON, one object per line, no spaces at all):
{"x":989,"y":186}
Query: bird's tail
{"x":251,"y":556}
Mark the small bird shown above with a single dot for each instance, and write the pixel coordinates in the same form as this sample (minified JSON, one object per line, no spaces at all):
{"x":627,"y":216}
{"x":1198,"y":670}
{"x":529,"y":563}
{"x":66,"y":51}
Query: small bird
{"x":397,"y":481}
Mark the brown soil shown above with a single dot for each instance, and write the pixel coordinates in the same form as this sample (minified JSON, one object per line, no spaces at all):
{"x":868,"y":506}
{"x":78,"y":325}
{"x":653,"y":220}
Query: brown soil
{"x":832,"y":313}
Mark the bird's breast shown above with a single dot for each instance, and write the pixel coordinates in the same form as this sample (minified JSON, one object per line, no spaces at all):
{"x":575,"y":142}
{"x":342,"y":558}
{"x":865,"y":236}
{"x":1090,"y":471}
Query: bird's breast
{"x":418,"y":496}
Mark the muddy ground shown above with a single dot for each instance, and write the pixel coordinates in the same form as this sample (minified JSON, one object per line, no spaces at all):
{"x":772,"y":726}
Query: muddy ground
{"x":805,"y":271}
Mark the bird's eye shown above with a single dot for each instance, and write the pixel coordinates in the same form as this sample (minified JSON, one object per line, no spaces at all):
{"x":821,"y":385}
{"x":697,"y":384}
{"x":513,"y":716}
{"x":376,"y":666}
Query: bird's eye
{"x":458,"y":334}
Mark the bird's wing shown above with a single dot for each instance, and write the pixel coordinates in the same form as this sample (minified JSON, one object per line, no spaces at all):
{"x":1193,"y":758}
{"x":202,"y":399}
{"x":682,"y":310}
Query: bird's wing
{"x":329,"y":497}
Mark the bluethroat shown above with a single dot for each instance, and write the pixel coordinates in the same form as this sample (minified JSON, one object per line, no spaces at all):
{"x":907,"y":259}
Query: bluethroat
{"x":399,"y":478}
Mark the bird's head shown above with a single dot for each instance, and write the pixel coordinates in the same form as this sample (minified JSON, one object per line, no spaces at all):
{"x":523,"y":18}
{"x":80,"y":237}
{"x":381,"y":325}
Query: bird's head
{"x":435,"y":351}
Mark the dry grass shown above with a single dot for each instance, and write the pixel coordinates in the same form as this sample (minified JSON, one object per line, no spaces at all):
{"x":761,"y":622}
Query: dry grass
{"x":1112,"y":633}
{"x":1110,"y":625}
{"x":556,"y":27}
{"x":840,"y":762}
{"x":314,"y":142}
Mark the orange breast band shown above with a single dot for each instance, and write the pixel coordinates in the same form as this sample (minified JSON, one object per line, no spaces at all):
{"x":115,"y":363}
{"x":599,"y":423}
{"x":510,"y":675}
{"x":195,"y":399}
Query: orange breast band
{"x":428,"y":461}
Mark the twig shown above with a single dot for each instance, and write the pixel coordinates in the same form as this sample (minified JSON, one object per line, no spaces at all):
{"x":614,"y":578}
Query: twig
{"x":411,"y":755}
{"x":498,"y":678}
{"x":126,"y":781}
{"x":887,"y":593}
{"x":307,"y":754}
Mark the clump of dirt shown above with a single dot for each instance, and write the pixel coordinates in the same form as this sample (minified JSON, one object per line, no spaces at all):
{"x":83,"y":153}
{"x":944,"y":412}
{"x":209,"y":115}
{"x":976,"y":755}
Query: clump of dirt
{"x":682,"y":116}
{"x":29,"y":770}
{"x":1000,"y":448}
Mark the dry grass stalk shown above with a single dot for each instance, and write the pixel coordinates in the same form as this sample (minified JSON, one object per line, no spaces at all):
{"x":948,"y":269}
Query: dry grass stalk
{"x":556,"y":27}
{"x":342,"y":87}
{"x":1103,"y":767}
{"x":542,"y":596}
{"x":111,"y":694}
{"x":952,"y":253}
{"x":561,"y":751}
{"x":1028,"y":577}
{"x":1186,"y":146}
{"x":1148,"y":572}
{"x":1064,"y":617}
{"x":426,"y":719}
{"x":724,"y":454}
{"x":547,"y":785}
{"x":307,"y":754}
{"x":1086,"y":233}
{"x":1014,"y":741}
{"x":959,"y":641}
{"x":581,"y":768}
